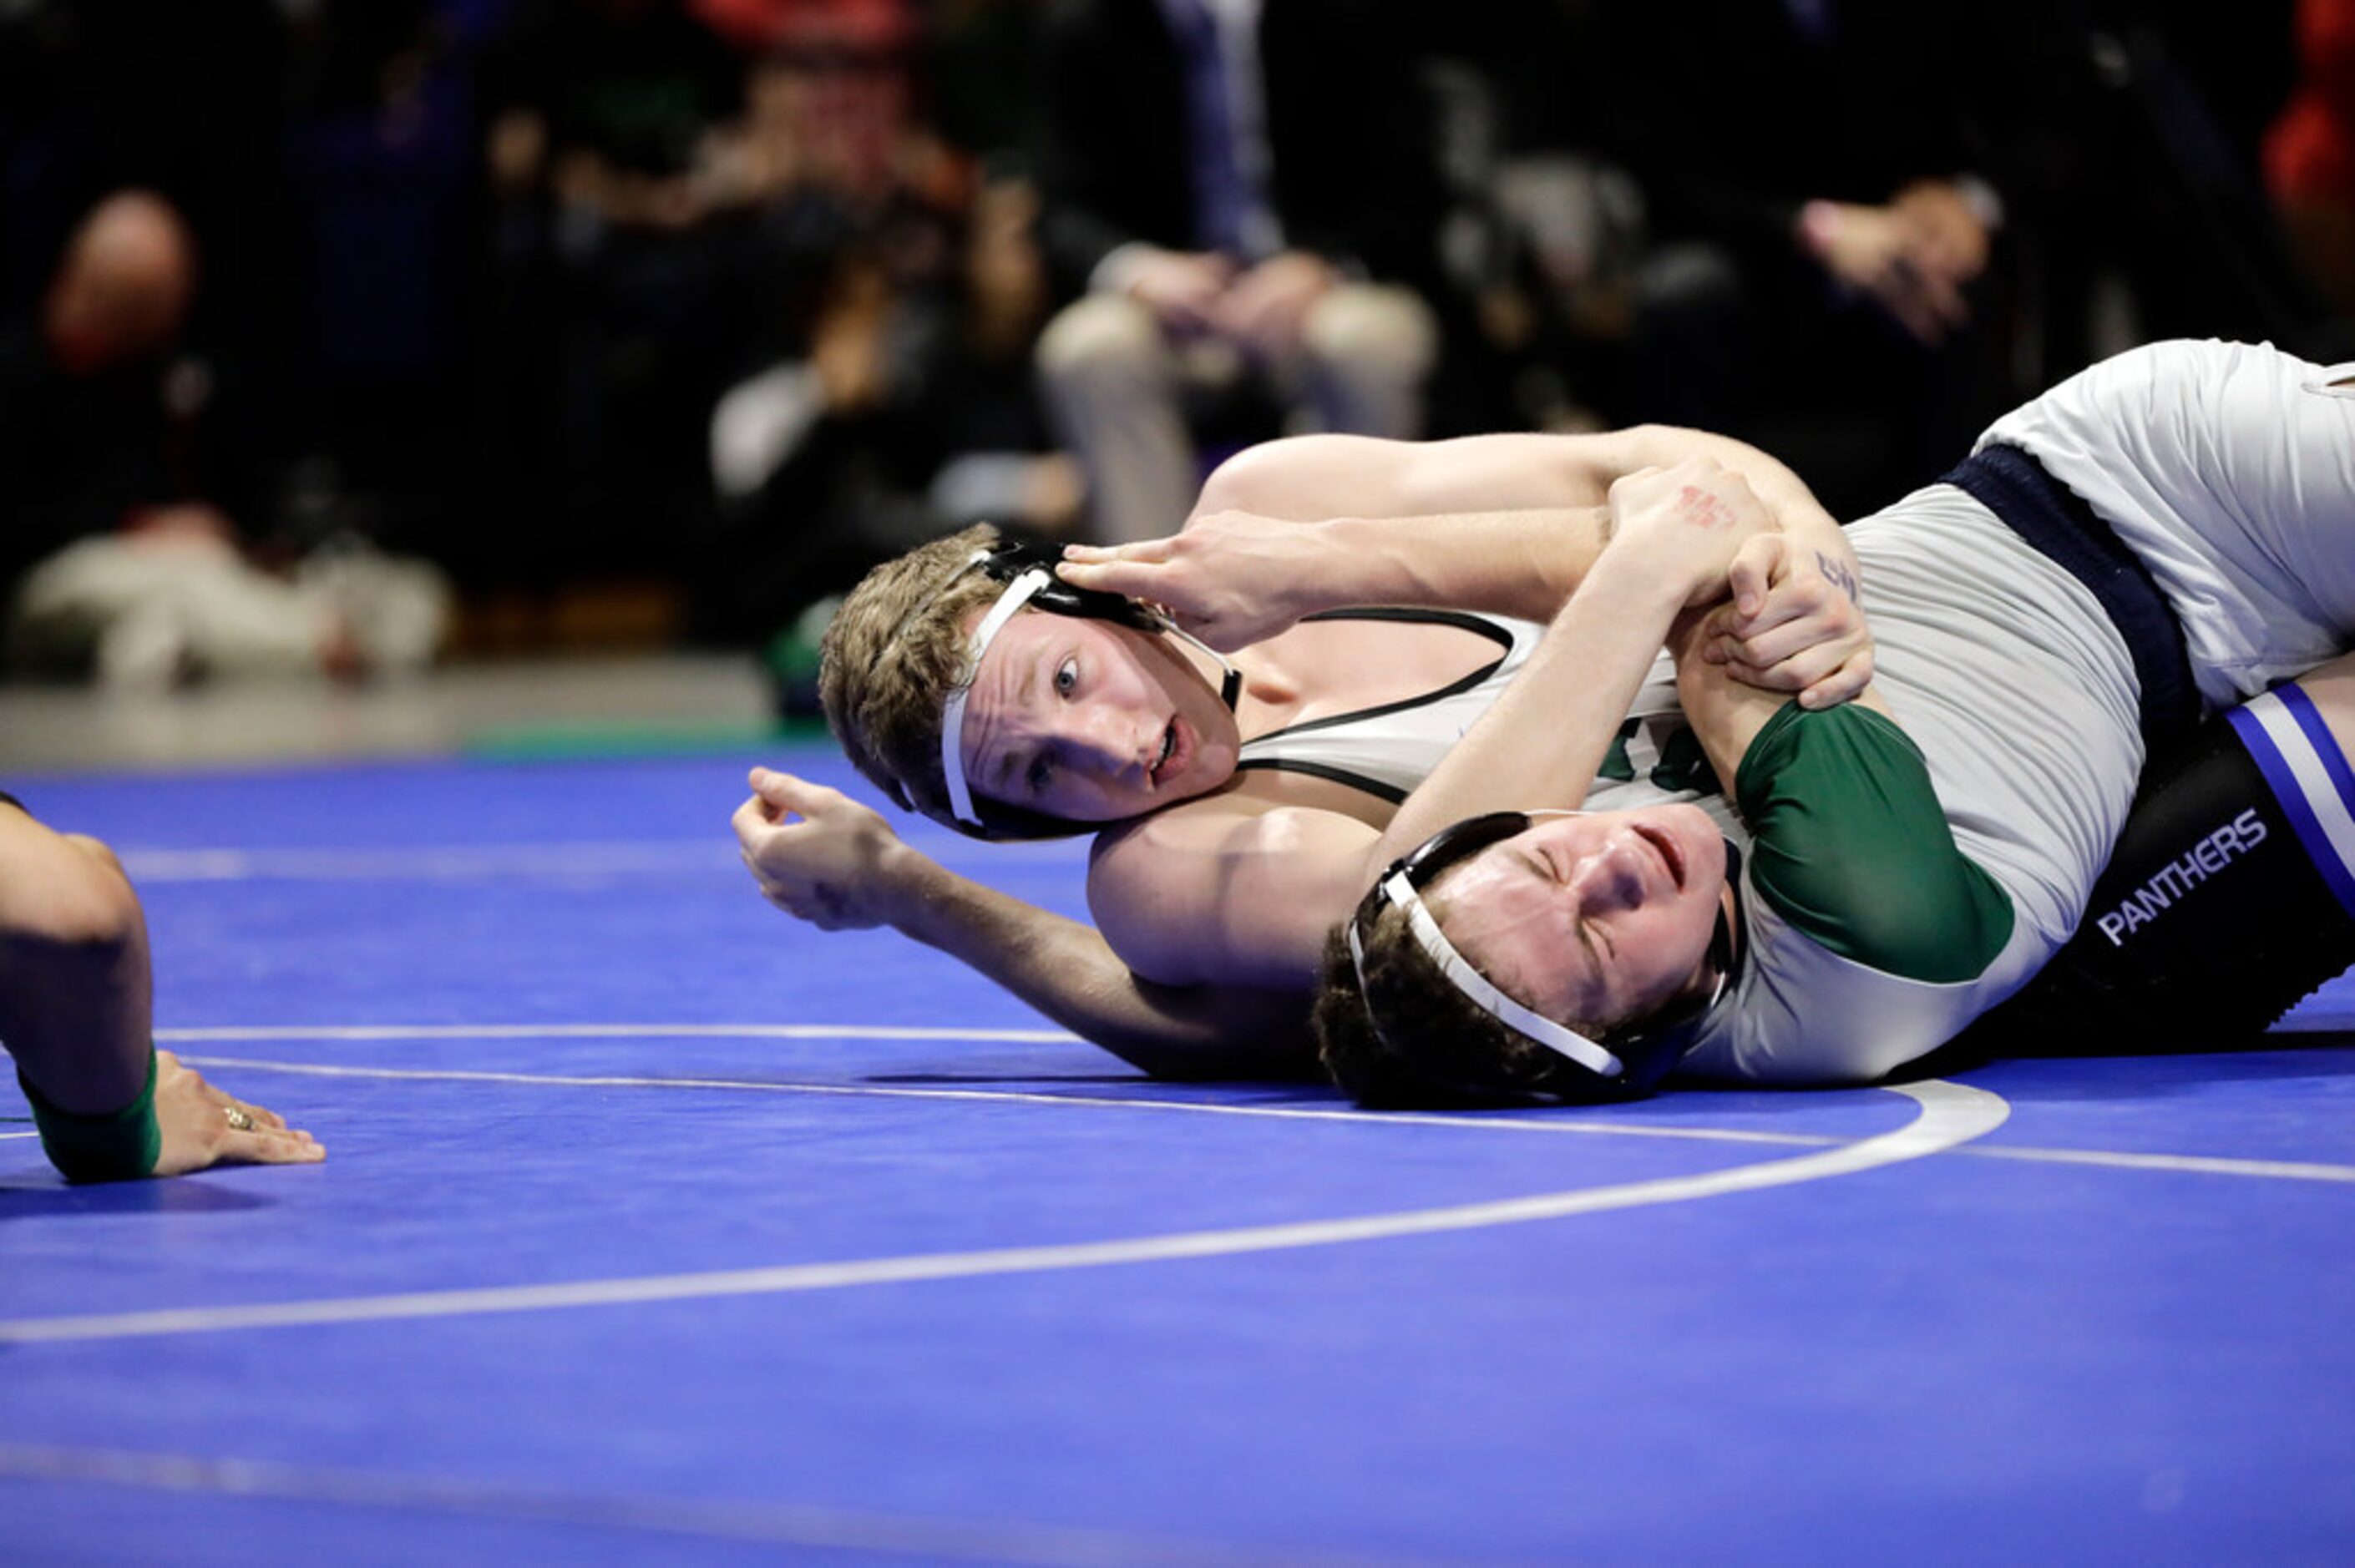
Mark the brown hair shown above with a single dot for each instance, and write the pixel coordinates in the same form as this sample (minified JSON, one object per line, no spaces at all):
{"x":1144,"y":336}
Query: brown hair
{"x":1435,"y":1046}
{"x":891,"y":657}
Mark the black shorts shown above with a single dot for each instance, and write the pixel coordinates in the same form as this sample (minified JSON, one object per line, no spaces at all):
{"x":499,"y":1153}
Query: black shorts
{"x":2227,"y":900}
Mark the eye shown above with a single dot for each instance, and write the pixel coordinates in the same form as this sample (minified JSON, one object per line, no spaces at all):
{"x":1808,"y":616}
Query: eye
{"x":1067,"y":677}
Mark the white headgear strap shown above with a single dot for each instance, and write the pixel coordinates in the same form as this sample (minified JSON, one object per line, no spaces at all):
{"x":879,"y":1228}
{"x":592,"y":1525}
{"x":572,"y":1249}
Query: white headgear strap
{"x":1018,"y":593}
{"x":1559,"y":1038}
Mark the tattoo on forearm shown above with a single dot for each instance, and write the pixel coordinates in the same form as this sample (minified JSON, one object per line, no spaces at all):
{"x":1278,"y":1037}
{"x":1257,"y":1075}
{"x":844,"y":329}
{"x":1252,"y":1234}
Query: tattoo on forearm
{"x":1839,"y":576}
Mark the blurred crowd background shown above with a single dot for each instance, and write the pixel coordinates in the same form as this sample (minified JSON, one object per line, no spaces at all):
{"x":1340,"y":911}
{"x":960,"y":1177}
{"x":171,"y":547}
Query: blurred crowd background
{"x":340,"y":336}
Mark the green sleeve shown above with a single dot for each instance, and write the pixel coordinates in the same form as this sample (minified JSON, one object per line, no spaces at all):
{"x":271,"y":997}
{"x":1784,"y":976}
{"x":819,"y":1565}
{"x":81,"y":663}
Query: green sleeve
{"x":117,"y":1147}
{"x":1853,"y":848}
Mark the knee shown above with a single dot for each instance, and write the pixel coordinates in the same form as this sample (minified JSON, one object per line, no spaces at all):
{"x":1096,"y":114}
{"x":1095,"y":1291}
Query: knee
{"x":85,"y":908}
{"x":1385,"y":333}
{"x":1101,"y":337}
{"x":100,"y":850}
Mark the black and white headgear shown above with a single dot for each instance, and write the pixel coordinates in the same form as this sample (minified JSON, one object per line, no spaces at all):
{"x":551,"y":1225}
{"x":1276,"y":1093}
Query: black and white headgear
{"x":1624,"y":1062}
{"x":1028,"y":570}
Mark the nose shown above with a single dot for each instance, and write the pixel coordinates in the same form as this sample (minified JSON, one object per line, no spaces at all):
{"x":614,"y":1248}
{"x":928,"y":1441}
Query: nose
{"x":1611,"y":875}
{"x":1102,"y":742}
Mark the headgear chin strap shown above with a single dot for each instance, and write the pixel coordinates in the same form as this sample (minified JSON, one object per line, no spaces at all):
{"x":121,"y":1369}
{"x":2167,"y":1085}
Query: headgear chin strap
{"x":1633,"y":1058}
{"x":1030,"y":574}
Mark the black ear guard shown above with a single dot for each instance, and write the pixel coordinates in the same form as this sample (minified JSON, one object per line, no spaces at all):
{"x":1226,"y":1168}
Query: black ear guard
{"x":1028,"y":574}
{"x":1010,"y":560}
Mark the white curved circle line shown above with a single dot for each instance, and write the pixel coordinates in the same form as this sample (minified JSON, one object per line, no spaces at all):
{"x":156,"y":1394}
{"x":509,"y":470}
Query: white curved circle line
{"x":1950,"y":1113}
{"x":395,"y":1031}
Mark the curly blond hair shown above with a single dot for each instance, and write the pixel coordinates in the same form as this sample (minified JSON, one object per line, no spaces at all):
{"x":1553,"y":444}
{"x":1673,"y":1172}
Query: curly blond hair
{"x":891,"y":657}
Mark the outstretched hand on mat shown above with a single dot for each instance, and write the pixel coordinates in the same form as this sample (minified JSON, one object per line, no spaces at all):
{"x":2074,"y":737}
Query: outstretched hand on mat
{"x":204,"y":1125}
{"x":818,"y":855}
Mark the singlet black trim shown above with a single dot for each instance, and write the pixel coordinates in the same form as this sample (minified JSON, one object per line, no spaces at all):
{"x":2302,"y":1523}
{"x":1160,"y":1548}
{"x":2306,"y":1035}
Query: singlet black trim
{"x":2066,"y":530}
{"x":1325,"y":770}
{"x":1486,"y":629}
{"x":1375,"y":787}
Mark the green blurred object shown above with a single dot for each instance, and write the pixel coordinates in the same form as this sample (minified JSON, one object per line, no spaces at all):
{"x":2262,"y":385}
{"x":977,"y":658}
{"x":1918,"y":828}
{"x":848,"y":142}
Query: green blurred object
{"x":792,"y":660}
{"x":591,"y":738}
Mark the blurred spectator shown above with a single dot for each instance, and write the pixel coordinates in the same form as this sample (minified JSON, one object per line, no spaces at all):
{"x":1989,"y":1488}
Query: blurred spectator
{"x":124,"y":467}
{"x":384,"y":165}
{"x":1241,"y":195}
{"x":2310,"y":151}
{"x":184,"y":98}
{"x":830,"y":93}
{"x":910,"y":414}
{"x":624,"y":253}
{"x":1545,"y":228}
{"x":2136,"y":180}
{"x":977,"y":63}
{"x":1825,"y":201}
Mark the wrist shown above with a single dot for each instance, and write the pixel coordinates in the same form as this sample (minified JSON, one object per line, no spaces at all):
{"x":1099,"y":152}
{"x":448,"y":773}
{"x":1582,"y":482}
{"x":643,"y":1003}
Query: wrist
{"x":1369,"y":560}
{"x":1343,"y":566}
{"x":1639,"y":573}
{"x":903,"y":888}
{"x":117,"y":1146}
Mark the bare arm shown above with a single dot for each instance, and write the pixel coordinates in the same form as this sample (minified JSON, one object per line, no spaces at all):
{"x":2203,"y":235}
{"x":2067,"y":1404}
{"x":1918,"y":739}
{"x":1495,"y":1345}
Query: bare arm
{"x":75,"y":1011}
{"x":1509,"y":525}
{"x":821,"y":856}
{"x":1542,"y":742}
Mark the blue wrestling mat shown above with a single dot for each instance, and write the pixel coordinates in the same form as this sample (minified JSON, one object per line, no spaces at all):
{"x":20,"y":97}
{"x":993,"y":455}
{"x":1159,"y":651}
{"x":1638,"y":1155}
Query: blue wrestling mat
{"x":656,"y":1228}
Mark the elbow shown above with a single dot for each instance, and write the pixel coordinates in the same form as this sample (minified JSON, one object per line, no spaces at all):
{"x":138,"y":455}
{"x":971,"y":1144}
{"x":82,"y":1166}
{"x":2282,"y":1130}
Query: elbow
{"x":1262,"y":479}
{"x":1939,"y":936}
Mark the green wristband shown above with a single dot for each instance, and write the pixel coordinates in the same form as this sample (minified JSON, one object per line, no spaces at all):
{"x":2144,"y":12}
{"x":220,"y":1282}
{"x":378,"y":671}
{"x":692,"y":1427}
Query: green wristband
{"x":118,"y":1147}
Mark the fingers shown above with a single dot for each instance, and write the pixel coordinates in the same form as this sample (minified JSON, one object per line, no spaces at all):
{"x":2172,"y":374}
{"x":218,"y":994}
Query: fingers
{"x":777,"y":788}
{"x":1137,"y":550}
{"x":1752,"y":571}
{"x":783,"y":792}
{"x":1823,"y":676}
{"x":1842,"y":685}
{"x":270,"y":1146}
{"x":1134,"y":579}
{"x":1794,"y":672}
{"x":260,"y":1116}
{"x":751,"y":820}
{"x":202,"y":1125}
{"x":1130,"y":569}
{"x":1775,"y":641}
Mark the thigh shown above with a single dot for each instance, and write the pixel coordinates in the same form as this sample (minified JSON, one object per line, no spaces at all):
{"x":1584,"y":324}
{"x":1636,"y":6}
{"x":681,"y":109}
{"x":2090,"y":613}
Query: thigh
{"x":2231,"y":893}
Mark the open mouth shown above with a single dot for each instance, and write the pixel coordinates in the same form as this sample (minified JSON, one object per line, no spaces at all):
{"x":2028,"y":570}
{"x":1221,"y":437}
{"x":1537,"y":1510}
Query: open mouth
{"x":1671,"y":853}
{"x":1170,"y":753}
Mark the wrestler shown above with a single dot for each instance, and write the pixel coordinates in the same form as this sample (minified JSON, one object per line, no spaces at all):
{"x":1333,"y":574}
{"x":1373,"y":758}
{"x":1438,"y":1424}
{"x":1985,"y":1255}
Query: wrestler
{"x":1237,"y":820}
{"x":2164,"y":537}
{"x":75,"y":1000}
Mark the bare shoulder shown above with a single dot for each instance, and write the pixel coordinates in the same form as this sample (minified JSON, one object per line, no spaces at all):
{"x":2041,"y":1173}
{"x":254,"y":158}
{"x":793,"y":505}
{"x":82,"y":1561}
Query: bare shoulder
{"x":1231,"y":889}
